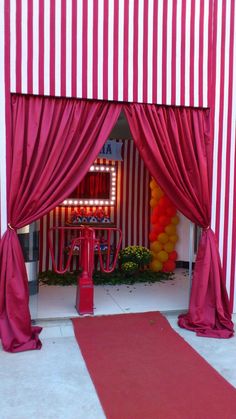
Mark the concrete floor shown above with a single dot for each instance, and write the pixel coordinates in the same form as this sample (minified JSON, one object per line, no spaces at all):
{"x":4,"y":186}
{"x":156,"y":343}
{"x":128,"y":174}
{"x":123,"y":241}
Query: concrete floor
{"x":53,"y":383}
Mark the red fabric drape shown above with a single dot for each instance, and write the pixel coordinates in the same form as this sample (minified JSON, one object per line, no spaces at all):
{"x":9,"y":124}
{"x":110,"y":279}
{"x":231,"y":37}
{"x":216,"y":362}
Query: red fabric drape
{"x":176,"y":146}
{"x":93,"y":186}
{"x":54,"y":142}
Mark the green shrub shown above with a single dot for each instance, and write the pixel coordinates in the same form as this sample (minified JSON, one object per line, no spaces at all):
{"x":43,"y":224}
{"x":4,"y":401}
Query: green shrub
{"x":129,"y":267}
{"x":134,"y":258}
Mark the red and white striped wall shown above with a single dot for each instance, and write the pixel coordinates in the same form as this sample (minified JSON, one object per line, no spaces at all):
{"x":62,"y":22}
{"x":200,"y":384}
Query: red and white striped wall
{"x":3,"y":207}
{"x":131,"y":212}
{"x":154,"y":51}
{"x":179,"y":52}
{"x":224,"y":163}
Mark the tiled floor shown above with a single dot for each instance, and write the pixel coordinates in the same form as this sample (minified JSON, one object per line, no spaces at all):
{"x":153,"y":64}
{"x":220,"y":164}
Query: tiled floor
{"x":54,"y":382}
{"x":59,"y":302}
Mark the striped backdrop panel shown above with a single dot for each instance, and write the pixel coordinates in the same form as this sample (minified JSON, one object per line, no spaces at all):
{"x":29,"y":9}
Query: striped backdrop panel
{"x":154,"y":51}
{"x":131,"y":213}
{"x":224,"y":161}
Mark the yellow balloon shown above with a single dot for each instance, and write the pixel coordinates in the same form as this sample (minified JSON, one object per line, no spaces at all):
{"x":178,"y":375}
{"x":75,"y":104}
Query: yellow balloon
{"x":153,"y":184}
{"x":156,"y":266}
{"x":174,"y":238}
{"x":170,"y":229}
{"x":175,"y":220}
{"x":163,"y":238}
{"x":157,"y":193}
{"x":162,"y":256}
{"x":156,"y":246}
{"x":169,"y":247}
{"x":154,"y":256}
{"x":153,"y":203}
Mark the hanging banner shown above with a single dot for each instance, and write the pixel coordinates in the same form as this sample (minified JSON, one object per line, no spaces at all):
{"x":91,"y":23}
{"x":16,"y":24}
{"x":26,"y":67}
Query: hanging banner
{"x":111,"y":150}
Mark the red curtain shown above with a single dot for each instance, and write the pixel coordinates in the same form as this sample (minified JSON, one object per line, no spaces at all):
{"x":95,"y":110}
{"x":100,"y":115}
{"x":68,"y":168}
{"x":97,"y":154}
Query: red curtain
{"x":176,"y":146}
{"x":54,"y":142}
{"x":95,"y":185}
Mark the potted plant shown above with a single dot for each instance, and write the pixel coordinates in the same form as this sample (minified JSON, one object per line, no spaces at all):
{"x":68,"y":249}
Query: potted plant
{"x":134,"y":259}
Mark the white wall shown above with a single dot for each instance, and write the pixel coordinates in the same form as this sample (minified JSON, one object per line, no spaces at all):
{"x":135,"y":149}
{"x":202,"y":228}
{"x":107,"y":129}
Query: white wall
{"x":182,"y":246}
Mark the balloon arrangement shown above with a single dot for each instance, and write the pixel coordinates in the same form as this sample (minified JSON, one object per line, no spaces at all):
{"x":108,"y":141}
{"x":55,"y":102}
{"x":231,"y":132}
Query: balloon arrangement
{"x":163,"y":236}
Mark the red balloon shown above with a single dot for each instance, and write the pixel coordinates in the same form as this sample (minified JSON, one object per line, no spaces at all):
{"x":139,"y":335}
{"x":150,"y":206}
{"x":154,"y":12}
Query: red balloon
{"x":157,"y":228}
{"x":171,"y":211}
{"x":168,"y":266}
{"x":152,"y":236}
{"x":164,"y":202}
{"x":164,"y":221}
{"x":158,"y":211}
{"x":173,"y":255}
{"x":154,"y":218}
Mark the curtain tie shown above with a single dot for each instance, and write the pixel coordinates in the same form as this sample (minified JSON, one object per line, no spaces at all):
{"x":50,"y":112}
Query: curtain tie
{"x":206,"y":228}
{"x":11,"y":228}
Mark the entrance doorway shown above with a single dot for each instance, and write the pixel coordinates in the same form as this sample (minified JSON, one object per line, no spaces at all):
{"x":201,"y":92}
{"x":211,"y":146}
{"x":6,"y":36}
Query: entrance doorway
{"x":131,"y":213}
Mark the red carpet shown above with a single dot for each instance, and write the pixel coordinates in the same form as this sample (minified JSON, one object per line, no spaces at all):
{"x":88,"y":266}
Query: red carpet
{"x":142,"y":369}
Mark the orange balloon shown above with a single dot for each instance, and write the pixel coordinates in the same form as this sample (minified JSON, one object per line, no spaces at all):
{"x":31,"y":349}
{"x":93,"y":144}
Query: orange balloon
{"x":153,"y":202}
{"x":156,"y":246}
{"x":157,"y":193}
{"x":169,"y":247}
{"x":153,"y":184}
{"x":163,"y":238}
{"x":162,"y":256}
{"x":175,"y":220}
{"x":170,"y":229}
{"x":156,"y":266}
{"x":173,"y":238}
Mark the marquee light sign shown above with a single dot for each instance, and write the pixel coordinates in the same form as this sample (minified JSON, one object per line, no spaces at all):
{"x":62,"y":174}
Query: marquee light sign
{"x":98,"y":202}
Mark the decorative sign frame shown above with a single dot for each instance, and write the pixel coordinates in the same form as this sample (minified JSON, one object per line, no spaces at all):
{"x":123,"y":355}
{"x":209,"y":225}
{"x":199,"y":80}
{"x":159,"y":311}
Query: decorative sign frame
{"x":97,"y":202}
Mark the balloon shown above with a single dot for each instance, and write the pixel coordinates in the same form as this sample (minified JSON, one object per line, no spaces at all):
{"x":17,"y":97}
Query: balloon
{"x":163,"y":238}
{"x":174,"y":238}
{"x":154,"y":218}
{"x":153,"y":202}
{"x":158,"y":229}
{"x":156,"y":266}
{"x":165,"y":202}
{"x":162,"y":256}
{"x":153,"y":184}
{"x":156,"y":246}
{"x":169,"y":266}
{"x":170,"y":229}
{"x":169,"y":247}
{"x":164,"y":221}
{"x":152,"y":236}
{"x":157,"y":193}
{"x":171,"y":211}
{"x":175,"y":220}
{"x":158,"y":211}
{"x":173,"y":255}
